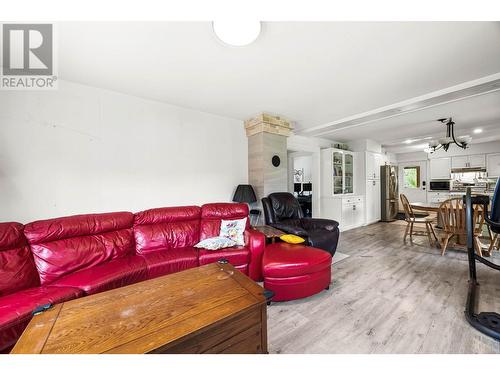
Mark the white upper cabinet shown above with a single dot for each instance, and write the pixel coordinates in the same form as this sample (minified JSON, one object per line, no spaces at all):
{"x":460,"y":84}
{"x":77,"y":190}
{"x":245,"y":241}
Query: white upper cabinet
{"x":476,"y":161}
{"x":440,"y":168}
{"x":459,"y":161}
{"x":337,"y":176}
{"x":493,"y":165}
{"x":373,"y":161}
{"x":468,"y":161}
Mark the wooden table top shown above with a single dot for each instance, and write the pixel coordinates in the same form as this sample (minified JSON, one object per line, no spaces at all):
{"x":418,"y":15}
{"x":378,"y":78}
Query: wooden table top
{"x":425,"y":206}
{"x":142,"y":317}
{"x":269,"y":231}
{"x":428,"y":206}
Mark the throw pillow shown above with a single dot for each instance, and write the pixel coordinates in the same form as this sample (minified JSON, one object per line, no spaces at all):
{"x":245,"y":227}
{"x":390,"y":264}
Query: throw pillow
{"x":291,"y":238}
{"x":234,"y":230}
{"x":215,"y":243}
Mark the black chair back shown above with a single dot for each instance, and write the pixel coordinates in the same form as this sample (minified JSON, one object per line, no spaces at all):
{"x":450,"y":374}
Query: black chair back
{"x":281,"y":206}
{"x":495,"y":209}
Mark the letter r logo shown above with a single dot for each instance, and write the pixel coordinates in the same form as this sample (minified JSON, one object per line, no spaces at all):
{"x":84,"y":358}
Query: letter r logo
{"x":27,"y":49}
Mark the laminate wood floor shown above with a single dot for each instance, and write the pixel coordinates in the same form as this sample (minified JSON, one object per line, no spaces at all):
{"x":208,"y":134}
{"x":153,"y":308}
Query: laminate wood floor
{"x":388,"y":297}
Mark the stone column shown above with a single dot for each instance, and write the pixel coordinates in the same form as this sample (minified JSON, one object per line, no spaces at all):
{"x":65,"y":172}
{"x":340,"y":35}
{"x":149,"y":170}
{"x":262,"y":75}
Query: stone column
{"x":267,"y":155}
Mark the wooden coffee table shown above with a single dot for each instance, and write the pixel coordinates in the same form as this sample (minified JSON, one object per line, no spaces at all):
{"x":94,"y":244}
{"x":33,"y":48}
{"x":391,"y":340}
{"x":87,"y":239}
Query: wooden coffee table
{"x":209,"y":309}
{"x":270,"y":232}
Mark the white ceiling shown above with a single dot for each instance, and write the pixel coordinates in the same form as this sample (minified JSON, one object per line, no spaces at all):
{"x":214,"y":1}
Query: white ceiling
{"x":478,"y":112}
{"x":312,"y":73}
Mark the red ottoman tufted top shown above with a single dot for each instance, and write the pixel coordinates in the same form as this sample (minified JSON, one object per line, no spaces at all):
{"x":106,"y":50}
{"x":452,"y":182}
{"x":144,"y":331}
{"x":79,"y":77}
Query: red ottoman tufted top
{"x":286,"y":260}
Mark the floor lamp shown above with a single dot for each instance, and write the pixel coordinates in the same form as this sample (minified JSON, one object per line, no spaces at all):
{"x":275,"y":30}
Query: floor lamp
{"x":246,"y":194}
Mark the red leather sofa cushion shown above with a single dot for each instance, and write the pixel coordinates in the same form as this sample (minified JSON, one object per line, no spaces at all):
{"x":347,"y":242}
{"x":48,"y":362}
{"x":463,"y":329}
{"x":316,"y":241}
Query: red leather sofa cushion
{"x":237,"y":255}
{"x":161,"y":263}
{"x":16,"y":309}
{"x":213,"y":213}
{"x":248,"y":258}
{"x":17,"y":269}
{"x":282,"y":259}
{"x":166,"y":228}
{"x":65,"y":245}
{"x":113,"y":274}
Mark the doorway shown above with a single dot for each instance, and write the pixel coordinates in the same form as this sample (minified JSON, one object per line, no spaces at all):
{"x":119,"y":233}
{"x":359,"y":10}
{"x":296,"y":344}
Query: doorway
{"x":413,"y":180}
{"x":300,"y":178}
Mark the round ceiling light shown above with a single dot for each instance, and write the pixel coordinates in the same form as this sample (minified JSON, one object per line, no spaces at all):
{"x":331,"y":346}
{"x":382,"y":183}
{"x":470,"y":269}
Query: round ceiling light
{"x":237,"y":32}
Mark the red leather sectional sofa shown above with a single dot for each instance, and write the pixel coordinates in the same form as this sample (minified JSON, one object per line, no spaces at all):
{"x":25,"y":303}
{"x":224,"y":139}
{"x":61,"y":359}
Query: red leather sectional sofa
{"x":55,"y":260}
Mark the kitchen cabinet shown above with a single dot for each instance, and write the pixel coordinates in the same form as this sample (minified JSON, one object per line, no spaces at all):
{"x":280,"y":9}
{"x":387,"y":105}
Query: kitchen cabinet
{"x":352,"y":212}
{"x":337,"y":175}
{"x":372,"y":201}
{"x":440,"y":168}
{"x":348,"y":211}
{"x":468,"y":161}
{"x":477,"y":161}
{"x":373,"y":161}
{"x":493,"y":165}
{"x":459,"y":161}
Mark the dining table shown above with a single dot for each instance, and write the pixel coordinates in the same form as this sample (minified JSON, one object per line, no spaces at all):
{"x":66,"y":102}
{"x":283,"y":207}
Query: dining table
{"x":425,"y":206}
{"x":428,"y":207}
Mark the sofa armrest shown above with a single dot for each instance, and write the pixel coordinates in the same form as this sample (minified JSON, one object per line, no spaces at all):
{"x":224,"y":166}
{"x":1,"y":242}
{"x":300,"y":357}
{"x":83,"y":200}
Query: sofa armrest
{"x":312,"y":224}
{"x":256,"y":243}
{"x":292,"y":229}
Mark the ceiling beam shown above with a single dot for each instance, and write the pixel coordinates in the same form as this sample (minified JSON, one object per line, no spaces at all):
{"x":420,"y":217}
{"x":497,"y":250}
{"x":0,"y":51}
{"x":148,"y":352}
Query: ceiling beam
{"x":458,"y":92}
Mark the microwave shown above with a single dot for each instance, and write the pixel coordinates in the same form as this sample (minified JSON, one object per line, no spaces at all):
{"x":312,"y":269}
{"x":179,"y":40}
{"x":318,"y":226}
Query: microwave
{"x":442,"y":185}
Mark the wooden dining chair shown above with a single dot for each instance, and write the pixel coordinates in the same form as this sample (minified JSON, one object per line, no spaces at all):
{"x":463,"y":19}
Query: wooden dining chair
{"x":495,"y":243}
{"x":452,"y":214}
{"x":411,"y":220}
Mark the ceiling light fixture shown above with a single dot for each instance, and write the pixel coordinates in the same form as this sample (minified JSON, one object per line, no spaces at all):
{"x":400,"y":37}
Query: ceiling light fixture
{"x":477,"y":131}
{"x":237,"y":32}
{"x":444,"y":143}
{"x":408,"y":141}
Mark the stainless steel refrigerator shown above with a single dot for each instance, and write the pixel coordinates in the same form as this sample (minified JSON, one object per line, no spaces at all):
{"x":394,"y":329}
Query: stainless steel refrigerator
{"x":389,"y":192}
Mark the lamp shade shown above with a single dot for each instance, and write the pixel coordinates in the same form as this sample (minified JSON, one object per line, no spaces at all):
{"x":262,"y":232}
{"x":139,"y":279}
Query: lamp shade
{"x":244,"y":193}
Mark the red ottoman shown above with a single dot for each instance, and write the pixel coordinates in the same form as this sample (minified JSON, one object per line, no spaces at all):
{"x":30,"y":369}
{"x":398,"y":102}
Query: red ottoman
{"x":295,"y":271}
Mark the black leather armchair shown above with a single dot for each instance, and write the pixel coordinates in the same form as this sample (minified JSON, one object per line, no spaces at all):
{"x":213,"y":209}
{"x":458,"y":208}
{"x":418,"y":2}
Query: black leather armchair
{"x":282,"y":211}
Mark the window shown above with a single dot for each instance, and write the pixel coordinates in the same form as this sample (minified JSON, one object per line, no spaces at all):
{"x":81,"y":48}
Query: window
{"x":411,"y":177}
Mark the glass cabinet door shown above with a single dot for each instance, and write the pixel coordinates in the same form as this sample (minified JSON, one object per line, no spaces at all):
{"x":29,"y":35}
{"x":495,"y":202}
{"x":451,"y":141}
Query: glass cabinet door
{"x":338,"y":173}
{"x":348,"y":174}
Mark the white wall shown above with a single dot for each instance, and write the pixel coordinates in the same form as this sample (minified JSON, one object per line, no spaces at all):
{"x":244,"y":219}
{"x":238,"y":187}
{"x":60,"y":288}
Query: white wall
{"x":411,"y":156}
{"x":81,"y":149}
{"x":390,"y":157}
{"x":361,"y":145}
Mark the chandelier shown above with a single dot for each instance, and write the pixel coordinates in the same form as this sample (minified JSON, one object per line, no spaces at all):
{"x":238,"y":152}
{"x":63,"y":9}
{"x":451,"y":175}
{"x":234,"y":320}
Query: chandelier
{"x":444,"y":143}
